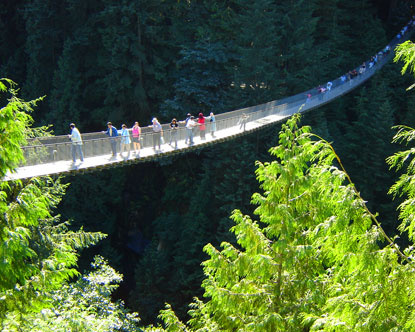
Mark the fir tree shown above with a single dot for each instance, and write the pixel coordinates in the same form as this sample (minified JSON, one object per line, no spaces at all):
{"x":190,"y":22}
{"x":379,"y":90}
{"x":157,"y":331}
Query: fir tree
{"x":254,"y":73}
{"x":38,"y":252}
{"x":313,"y":262}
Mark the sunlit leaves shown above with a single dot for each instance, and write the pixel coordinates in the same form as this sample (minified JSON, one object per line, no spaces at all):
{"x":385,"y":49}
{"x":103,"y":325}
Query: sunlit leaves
{"x":316,"y":260}
{"x":406,"y":53}
{"x":38,"y":253}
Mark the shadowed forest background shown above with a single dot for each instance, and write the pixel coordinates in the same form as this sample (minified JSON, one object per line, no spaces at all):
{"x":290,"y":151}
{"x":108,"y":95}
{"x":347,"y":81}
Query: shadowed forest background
{"x":125,"y":61}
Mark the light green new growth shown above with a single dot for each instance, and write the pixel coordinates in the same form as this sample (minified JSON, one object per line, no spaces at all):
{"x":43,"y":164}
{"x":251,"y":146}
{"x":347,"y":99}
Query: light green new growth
{"x":406,"y":52}
{"x":38,"y":252}
{"x":316,"y":259}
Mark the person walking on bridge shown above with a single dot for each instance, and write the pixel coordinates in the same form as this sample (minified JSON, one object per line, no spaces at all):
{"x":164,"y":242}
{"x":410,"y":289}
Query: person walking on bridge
{"x":136,"y":130}
{"x":190,"y":124}
{"x":125,"y":141}
{"x":174,"y":129}
{"x":76,"y":147}
{"x":243,"y":120}
{"x":157,"y":133}
{"x":112,"y":133}
{"x":202,"y":126}
{"x":212,"y":121}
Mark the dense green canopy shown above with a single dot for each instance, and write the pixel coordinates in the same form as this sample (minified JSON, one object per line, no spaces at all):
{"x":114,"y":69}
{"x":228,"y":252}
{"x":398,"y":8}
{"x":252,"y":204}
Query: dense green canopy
{"x":319,"y":248}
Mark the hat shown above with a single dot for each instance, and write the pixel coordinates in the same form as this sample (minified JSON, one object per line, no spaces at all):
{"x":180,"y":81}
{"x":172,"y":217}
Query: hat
{"x":109,"y":123}
{"x":72,"y":125}
{"x":188,"y":114}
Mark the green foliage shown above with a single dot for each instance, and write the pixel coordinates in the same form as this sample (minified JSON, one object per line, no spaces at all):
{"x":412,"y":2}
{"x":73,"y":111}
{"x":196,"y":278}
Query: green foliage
{"x":120,"y":61}
{"x":39,"y":253}
{"x":406,"y":52}
{"x":369,"y":136}
{"x":43,"y":30}
{"x":85,"y":305}
{"x":14,"y":119}
{"x":201,"y":80}
{"x":313,"y":261}
{"x":254,"y":73}
{"x":405,"y":184}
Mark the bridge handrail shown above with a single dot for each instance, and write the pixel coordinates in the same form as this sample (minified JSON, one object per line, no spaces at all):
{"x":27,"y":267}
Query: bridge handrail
{"x":97,"y":143}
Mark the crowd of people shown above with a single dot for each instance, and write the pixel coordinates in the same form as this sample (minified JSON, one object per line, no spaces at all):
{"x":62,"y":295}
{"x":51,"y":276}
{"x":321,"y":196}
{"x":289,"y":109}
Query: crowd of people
{"x":123,"y":138}
{"x":191,"y":123}
{"x":361,"y":70}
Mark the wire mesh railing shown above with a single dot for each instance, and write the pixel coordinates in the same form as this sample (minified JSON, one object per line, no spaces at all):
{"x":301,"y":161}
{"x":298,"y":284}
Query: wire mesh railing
{"x":58,"y":148}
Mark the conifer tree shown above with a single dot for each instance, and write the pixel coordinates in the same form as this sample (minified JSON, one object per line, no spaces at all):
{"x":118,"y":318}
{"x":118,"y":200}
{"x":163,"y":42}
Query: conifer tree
{"x":44,"y":32}
{"x":201,"y":82}
{"x":254,"y":71}
{"x":12,"y":40}
{"x":39,"y":252}
{"x":313,"y":260}
{"x":85,"y":305}
{"x":298,"y":58}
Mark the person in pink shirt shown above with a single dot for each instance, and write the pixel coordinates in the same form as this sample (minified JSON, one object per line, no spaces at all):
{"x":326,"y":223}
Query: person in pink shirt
{"x":136,"y":130}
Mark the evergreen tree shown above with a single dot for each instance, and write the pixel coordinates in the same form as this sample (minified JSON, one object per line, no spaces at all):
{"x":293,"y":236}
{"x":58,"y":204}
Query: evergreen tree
{"x":105,"y":192}
{"x":298,"y":58}
{"x":179,"y":234}
{"x":343,"y":24}
{"x":313,"y":261}
{"x":232,"y":179}
{"x":12,"y":40}
{"x":201,"y":82}
{"x":367,"y":148}
{"x":254,"y":74}
{"x":85,"y":305}
{"x":76,"y":94}
{"x":39,"y":253}
{"x":44,"y":32}
{"x":114,"y":64}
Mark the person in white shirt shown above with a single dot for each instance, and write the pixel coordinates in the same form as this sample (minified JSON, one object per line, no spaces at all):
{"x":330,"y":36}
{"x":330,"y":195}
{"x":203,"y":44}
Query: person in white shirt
{"x":190,"y":124}
{"x":157,"y":133}
{"x":76,"y":147}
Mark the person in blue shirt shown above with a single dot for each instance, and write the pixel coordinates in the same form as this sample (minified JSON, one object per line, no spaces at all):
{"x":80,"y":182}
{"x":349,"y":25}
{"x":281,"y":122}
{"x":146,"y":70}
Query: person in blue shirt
{"x":212,"y":121}
{"x":112,"y":134}
{"x":125,"y":140}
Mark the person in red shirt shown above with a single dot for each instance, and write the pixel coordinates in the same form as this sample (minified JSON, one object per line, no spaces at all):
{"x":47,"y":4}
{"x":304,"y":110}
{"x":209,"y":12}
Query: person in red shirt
{"x":202,"y":126}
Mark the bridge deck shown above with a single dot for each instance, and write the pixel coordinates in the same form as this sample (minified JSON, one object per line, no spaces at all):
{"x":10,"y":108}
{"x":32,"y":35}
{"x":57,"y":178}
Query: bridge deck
{"x":47,"y":156}
{"x":146,"y":154}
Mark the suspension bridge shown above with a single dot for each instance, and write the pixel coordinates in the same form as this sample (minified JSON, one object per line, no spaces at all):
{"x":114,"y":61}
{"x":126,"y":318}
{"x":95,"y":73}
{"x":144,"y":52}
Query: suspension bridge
{"x":52,"y":155}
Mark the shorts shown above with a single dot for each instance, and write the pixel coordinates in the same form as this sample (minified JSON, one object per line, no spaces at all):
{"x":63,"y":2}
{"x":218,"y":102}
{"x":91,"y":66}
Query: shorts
{"x":136,"y":139}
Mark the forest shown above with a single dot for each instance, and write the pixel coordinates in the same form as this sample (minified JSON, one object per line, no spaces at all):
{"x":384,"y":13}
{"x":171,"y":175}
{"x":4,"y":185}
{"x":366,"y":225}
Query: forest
{"x":302,"y":226}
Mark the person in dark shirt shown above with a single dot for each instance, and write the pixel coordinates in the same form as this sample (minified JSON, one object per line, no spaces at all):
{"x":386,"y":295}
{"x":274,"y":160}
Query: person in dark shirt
{"x":112,"y":133}
{"x":174,"y":129}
